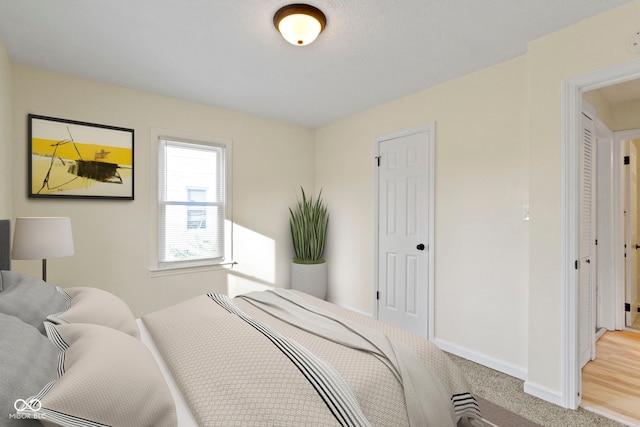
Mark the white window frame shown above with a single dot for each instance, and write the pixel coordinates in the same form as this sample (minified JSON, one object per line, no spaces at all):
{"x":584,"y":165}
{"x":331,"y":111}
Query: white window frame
{"x":159,"y":268}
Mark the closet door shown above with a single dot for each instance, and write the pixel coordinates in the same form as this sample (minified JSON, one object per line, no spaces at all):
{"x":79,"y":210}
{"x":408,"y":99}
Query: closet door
{"x":586,"y":262}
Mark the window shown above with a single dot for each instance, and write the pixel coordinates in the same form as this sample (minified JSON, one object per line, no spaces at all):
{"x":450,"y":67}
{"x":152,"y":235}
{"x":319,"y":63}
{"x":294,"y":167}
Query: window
{"x":196,"y":217}
{"x":193,"y":213}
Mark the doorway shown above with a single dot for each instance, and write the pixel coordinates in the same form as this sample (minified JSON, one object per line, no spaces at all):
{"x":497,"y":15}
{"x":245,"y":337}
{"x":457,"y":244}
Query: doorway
{"x":615,"y":176}
{"x":571,"y":145}
{"x":617,"y":283}
{"x":404,"y":225}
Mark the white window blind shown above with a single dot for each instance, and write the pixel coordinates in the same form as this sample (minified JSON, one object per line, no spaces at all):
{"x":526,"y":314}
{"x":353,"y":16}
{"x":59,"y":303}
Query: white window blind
{"x":191,"y":202}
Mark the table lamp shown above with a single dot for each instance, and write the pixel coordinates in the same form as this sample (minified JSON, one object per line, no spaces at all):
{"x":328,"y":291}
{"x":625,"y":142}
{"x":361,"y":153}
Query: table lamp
{"x":42,"y":238}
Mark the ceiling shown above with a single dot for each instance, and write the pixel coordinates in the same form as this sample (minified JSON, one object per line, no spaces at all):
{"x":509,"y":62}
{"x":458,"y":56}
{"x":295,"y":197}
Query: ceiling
{"x":228,"y":54}
{"x":621,"y":92}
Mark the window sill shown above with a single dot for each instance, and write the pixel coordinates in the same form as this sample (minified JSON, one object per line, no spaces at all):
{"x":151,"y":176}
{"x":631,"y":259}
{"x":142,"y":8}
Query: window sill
{"x":188,"y":269}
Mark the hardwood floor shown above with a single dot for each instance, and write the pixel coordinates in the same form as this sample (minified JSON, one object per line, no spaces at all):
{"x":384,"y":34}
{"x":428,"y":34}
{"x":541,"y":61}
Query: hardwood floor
{"x":611,"y":383}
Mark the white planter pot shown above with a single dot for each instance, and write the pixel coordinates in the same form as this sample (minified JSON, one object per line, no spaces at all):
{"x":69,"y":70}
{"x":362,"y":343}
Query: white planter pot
{"x":310,"y":278}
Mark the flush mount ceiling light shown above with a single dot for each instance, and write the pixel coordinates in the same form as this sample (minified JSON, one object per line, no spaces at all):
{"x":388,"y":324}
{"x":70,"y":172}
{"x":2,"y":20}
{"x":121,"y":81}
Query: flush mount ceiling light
{"x":299,"y":23}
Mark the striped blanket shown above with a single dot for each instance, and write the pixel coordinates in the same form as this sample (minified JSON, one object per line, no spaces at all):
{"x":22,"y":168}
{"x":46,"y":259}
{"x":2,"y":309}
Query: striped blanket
{"x":242,"y":362}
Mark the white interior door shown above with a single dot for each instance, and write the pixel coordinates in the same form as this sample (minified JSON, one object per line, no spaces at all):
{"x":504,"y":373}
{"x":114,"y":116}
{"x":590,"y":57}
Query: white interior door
{"x":587,"y":326}
{"x":403,"y":220}
{"x":631,"y":234}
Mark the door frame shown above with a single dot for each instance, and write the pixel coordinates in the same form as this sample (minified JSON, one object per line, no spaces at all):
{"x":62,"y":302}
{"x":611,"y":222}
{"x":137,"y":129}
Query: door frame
{"x":622,"y":286}
{"x":571,"y":374}
{"x":629,"y":268}
{"x":429,"y":128}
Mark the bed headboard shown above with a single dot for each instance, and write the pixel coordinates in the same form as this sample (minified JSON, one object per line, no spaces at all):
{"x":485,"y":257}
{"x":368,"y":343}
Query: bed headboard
{"x":5,"y":244}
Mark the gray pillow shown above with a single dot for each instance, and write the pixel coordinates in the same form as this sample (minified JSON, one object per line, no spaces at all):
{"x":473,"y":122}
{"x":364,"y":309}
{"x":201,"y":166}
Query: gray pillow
{"x":28,"y":361}
{"x":29,"y":299}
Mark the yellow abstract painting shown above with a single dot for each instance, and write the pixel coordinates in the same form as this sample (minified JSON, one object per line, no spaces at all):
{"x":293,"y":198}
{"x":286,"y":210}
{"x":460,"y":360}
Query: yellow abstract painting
{"x":79,"y":159}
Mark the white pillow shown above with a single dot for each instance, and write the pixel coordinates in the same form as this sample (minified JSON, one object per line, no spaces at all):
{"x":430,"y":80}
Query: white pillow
{"x":99,"y":307}
{"x":106,"y":377}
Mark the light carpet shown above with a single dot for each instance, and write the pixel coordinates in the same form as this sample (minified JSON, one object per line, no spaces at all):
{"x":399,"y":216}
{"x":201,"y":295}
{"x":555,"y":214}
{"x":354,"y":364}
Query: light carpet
{"x":508,"y":392}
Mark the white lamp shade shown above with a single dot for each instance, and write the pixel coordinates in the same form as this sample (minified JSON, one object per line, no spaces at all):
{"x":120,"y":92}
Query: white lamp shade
{"x":300,"y":29}
{"x":42,"y":237}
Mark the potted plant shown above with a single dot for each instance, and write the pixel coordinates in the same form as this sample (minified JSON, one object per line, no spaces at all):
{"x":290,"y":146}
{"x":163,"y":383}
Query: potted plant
{"x":308,"y":221}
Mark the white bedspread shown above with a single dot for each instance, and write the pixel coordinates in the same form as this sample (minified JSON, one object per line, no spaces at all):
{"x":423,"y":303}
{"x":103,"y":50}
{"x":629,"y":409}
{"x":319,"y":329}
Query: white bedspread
{"x":184,"y":415}
{"x":229,"y":374}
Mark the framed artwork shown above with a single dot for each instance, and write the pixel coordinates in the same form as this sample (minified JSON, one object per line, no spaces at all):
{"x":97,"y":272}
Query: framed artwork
{"x":71,"y":159}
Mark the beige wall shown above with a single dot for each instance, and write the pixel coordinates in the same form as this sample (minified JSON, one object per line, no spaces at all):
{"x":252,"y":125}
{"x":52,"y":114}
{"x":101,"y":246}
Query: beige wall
{"x":113,"y":239}
{"x":618,"y":117}
{"x":5,"y":135}
{"x":627,"y":115}
{"x":601,"y":104}
{"x":588,"y":46}
{"x":498,"y":143}
{"x":481,"y":179}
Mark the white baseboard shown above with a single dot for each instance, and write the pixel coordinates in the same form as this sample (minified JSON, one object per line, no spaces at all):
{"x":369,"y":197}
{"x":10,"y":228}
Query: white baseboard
{"x":364,"y":313}
{"x":543,"y":393}
{"x":489,"y":362}
{"x":537,"y":390}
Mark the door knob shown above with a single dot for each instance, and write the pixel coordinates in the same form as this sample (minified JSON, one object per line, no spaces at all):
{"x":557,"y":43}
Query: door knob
{"x":637,"y":246}
{"x":420,"y":247}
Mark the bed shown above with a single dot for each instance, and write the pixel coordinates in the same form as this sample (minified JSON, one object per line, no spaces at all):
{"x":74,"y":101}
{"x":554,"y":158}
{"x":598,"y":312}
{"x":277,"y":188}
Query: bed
{"x":78,"y":357}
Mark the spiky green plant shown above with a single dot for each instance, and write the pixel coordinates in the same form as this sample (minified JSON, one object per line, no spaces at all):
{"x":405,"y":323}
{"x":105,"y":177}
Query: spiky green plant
{"x":309,"y":220}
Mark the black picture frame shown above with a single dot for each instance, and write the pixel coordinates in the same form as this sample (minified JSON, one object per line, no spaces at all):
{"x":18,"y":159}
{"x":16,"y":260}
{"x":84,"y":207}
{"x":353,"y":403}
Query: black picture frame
{"x":79,"y":160}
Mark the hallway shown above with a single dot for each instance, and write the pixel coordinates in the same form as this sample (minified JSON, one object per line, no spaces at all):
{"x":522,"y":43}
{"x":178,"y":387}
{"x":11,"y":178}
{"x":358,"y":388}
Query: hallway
{"x":611,"y":383}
